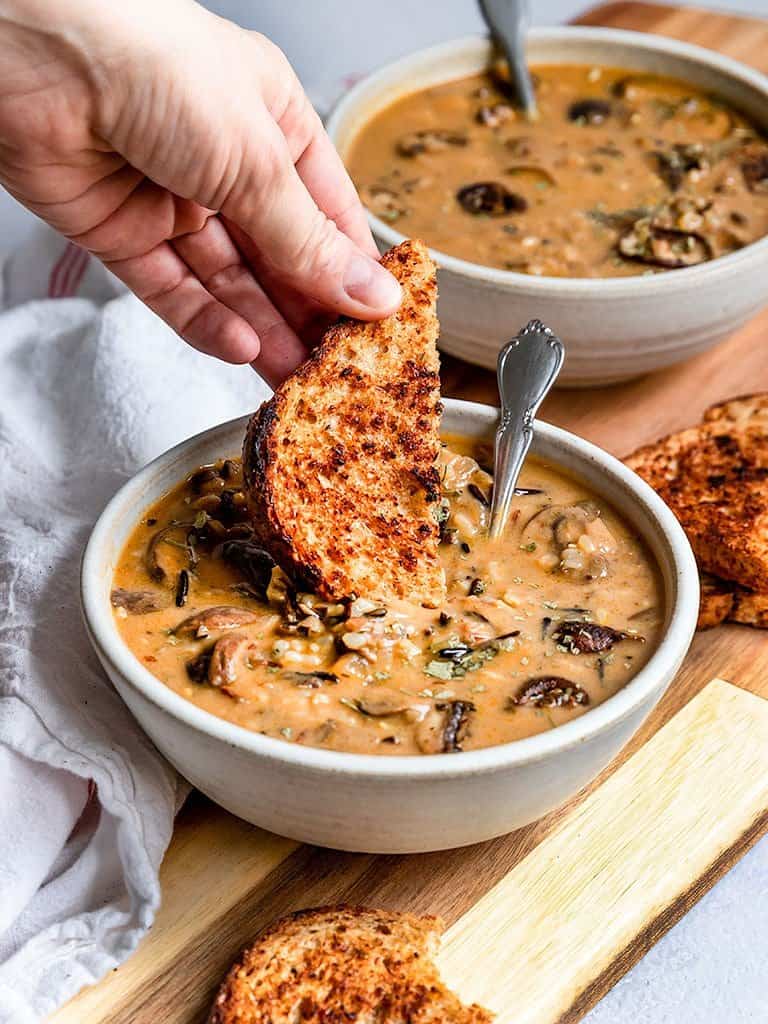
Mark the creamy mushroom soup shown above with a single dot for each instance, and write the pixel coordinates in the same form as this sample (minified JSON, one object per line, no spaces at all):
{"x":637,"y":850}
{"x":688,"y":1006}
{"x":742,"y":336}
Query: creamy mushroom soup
{"x":537,"y":627}
{"x":623,"y":173}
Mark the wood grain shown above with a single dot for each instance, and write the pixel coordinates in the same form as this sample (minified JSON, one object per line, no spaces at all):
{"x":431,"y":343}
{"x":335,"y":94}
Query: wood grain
{"x":222,"y":879}
{"x":619,"y":865}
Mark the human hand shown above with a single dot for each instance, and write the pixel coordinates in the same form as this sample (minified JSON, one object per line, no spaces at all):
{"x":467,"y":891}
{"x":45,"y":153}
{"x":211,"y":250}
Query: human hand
{"x":183,"y":152}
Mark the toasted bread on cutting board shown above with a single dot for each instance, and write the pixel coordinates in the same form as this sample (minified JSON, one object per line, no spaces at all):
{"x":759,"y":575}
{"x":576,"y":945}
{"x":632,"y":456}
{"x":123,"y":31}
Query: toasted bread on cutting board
{"x":339,"y":464}
{"x":351,"y":964}
{"x":714,"y":477}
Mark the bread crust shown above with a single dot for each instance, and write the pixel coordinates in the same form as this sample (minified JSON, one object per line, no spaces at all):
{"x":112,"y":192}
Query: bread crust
{"x":716,"y":600}
{"x":348,"y":964}
{"x":339,"y":465}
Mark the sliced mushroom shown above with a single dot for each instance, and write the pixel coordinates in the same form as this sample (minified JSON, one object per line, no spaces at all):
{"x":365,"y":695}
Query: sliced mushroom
{"x":197,"y":667}
{"x":219,"y":617}
{"x":137,"y":602}
{"x":589,"y":637}
{"x":549,"y":692}
{"x":311,"y":680}
{"x":646,"y":242}
{"x":589,"y":111}
{"x":754,"y":167}
{"x":155,"y":570}
{"x":223,"y":661}
{"x":490,"y":198}
{"x":380,"y":703}
{"x":443,"y":729}
{"x":673,"y":164}
{"x":431,"y":141}
{"x":252,"y":561}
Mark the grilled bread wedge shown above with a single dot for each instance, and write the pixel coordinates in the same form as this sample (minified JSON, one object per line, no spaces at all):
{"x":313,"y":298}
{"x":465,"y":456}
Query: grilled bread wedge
{"x":716,"y":601}
{"x":749,"y":608}
{"x":349,"y":964}
{"x":714,"y":477}
{"x":339,"y":464}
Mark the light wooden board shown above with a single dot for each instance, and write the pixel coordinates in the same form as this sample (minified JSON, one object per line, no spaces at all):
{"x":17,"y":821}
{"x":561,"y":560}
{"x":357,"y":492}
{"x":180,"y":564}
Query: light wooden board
{"x":223,"y":880}
{"x":618,"y":865}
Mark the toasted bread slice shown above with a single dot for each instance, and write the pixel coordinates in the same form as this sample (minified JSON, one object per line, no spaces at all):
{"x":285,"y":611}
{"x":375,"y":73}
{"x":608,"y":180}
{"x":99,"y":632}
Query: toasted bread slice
{"x":343,"y":963}
{"x":715,"y":601}
{"x":749,"y":608}
{"x":714,"y":477}
{"x":339,"y":464}
{"x":746,"y":410}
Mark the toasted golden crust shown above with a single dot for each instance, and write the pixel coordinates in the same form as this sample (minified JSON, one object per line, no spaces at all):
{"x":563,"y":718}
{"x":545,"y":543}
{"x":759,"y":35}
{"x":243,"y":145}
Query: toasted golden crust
{"x":340,"y":464}
{"x":714,"y":477}
{"x":334,"y":964}
{"x":715,"y":601}
{"x":749,"y":608}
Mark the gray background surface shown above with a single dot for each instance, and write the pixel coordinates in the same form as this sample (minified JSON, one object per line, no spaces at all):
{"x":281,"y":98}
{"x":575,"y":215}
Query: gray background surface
{"x":712,"y":968}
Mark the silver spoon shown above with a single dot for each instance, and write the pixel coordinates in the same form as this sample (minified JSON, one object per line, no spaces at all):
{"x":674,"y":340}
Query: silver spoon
{"x":528,"y":367}
{"x":508,"y":21}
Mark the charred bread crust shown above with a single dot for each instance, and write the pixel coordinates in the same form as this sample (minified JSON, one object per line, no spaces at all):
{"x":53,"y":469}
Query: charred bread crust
{"x":341,"y":963}
{"x":349,"y":509}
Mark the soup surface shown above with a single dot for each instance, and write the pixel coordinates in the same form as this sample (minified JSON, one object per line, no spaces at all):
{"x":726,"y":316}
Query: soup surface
{"x":623,"y":173}
{"x":537,"y":626}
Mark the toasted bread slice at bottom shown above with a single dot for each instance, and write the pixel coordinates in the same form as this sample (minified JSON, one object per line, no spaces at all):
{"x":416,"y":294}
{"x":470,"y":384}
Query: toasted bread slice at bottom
{"x":714,"y":477}
{"x":749,"y":608}
{"x":350,"y":964}
{"x":715,"y":601}
{"x":340,"y":465}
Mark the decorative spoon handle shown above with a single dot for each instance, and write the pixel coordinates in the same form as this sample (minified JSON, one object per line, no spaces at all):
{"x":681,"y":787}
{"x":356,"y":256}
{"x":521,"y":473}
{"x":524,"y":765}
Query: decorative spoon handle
{"x":508,"y":21}
{"x":528,"y":367}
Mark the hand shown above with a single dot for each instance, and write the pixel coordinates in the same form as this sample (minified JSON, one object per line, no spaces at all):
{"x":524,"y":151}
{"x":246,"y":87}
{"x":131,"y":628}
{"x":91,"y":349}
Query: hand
{"x":183,"y":152}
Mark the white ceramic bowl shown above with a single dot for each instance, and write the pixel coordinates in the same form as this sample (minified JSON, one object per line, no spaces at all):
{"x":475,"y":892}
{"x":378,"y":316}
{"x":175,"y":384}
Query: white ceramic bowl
{"x":614,"y":328}
{"x":380,"y":803}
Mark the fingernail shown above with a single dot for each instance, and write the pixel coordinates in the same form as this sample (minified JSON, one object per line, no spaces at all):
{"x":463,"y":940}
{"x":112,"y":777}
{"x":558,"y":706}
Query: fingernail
{"x":367,"y":282}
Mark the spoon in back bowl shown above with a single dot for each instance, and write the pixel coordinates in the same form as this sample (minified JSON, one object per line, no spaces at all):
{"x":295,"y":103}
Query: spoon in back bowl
{"x":508,"y":21}
{"x":527,"y":368}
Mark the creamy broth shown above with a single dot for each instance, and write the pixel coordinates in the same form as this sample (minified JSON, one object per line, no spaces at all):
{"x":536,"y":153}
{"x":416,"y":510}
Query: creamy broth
{"x":623,"y":173}
{"x":503,"y":658}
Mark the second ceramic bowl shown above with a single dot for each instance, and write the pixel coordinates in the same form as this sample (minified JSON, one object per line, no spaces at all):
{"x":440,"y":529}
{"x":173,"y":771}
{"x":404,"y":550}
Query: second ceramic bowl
{"x":613,"y":328}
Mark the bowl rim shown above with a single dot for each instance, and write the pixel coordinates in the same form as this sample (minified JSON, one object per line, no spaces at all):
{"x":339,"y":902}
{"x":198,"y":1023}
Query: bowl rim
{"x":663,"y":663}
{"x":581,"y":287}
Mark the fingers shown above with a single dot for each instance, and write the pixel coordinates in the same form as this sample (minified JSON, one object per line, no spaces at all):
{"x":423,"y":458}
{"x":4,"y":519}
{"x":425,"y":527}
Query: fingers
{"x":214,"y":258}
{"x":298,"y":241}
{"x":321,"y":169}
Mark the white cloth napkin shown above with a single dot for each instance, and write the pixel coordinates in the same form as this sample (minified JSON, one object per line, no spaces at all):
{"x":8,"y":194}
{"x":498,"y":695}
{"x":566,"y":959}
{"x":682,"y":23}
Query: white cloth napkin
{"x":92,"y":386}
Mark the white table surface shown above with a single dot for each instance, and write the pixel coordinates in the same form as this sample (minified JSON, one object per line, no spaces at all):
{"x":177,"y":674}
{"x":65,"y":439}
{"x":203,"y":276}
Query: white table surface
{"x":712,"y":968}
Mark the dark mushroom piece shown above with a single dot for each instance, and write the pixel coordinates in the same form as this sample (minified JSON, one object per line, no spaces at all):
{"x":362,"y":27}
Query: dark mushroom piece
{"x":137,"y":602}
{"x":673,"y":164}
{"x":648,"y":243}
{"x":219,"y":617}
{"x":224,"y":657}
{"x":252,"y":561}
{"x":311,"y":680}
{"x":490,"y":198}
{"x":457,"y":714}
{"x":754,"y":168}
{"x":589,"y":111}
{"x":430,"y":141}
{"x":589,"y":637}
{"x":197,"y":667}
{"x":549,"y":692}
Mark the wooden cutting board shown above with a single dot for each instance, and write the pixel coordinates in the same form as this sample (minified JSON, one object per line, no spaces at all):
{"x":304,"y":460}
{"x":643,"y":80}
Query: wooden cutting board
{"x":634,"y":851}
